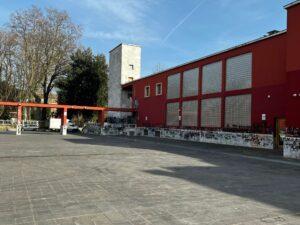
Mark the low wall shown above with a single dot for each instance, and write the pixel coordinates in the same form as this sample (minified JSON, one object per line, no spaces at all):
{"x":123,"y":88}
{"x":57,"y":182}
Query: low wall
{"x":291,"y":147}
{"x":217,"y":137}
{"x":264,"y":141}
{"x":110,"y":129}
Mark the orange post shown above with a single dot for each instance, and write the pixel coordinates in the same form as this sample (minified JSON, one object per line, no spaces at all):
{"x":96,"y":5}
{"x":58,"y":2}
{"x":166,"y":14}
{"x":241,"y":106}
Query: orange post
{"x":101,"y":117}
{"x":65,"y":115}
{"x":64,"y":121}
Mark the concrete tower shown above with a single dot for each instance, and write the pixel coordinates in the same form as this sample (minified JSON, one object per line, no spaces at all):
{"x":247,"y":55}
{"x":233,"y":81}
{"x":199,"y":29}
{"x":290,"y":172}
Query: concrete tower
{"x":124,"y":67}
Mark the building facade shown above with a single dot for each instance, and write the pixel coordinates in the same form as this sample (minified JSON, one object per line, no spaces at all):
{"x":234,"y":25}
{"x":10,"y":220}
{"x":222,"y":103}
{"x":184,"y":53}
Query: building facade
{"x":124,"y":67}
{"x":255,"y":85}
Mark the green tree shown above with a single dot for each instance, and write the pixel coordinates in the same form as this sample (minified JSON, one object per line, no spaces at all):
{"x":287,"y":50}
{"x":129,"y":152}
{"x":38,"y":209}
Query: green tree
{"x":85,"y":83}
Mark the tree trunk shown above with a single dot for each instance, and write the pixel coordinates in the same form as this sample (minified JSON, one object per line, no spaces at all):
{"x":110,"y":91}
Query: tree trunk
{"x":44,"y":110}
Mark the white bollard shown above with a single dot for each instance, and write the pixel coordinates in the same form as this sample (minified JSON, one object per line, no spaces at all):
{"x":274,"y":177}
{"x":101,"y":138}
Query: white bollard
{"x":19,"y":129}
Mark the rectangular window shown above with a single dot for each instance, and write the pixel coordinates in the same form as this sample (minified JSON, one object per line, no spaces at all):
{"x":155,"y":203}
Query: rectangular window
{"x":211,"y":112}
{"x":190,"y":113}
{"x":190,"y":82}
{"x":173,"y":114}
{"x":238,"y":111}
{"x":239,"y":72}
{"x":212,"y":78}
{"x":131,"y":66}
{"x":173,"y":86}
{"x":147,"y":91}
{"x":158,"y":89}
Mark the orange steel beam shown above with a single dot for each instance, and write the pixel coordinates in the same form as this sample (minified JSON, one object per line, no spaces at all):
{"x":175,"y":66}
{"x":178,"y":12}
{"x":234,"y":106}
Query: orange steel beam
{"x":9,"y":103}
{"x":57,"y":106}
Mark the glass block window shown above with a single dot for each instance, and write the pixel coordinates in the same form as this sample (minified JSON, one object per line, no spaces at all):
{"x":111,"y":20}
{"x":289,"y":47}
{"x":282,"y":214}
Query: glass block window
{"x":173,"y":114}
{"x":238,"y":111}
{"x":173,"y":86}
{"x":239,"y":72}
{"x":190,"y":113}
{"x":211,"y":112}
{"x":190,"y":82}
{"x":212,"y":78}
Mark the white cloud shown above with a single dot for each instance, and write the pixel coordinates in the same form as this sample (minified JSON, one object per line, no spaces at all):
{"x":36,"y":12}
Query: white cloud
{"x":120,"y":35}
{"x":128,"y":11}
{"x":123,"y":20}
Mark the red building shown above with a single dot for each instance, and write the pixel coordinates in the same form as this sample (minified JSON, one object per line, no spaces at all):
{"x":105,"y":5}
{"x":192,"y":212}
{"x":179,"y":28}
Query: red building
{"x":253,"y":85}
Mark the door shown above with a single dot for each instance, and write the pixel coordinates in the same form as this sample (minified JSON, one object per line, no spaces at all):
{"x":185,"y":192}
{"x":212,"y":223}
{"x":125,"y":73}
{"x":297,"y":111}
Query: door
{"x":279,"y":134}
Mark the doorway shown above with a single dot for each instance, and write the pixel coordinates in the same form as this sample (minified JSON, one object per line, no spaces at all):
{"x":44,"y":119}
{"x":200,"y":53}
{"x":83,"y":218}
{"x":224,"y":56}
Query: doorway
{"x":279,"y":134}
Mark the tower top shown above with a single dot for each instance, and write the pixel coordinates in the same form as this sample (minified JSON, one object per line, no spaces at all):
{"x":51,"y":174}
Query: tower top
{"x":133,"y":45}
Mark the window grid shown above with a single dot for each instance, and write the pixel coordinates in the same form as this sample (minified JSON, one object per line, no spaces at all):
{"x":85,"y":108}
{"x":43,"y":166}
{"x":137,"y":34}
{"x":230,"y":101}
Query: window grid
{"x":173,"y":114}
{"x":238,"y":111}
{"x":212,"y":78}
{"x":173,"y":86}
{"x":190,"y":113}
{"x":239,"y":72}
{"x":190,"y":82}
{"x":211,"y":112}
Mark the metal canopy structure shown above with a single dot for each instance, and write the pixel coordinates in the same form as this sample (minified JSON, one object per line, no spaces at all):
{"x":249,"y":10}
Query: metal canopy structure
{"x":64,"y":108}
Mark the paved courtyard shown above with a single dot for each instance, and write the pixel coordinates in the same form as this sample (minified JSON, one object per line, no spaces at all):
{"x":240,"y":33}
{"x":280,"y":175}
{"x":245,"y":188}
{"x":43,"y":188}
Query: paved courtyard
{"x":50,"y":179}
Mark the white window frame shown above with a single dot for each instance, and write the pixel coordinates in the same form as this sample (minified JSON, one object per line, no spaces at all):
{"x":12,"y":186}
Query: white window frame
{"x":145,"y":91}
{"x":156,"y":92}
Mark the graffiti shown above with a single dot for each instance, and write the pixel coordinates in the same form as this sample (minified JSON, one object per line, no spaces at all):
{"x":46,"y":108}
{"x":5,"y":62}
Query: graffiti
{"x":218,"y":137}
{"x":291,"y":147}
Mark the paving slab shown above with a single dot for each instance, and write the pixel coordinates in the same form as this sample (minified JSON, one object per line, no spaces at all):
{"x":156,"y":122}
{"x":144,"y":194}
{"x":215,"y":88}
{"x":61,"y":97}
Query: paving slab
{"x":46,"y":178}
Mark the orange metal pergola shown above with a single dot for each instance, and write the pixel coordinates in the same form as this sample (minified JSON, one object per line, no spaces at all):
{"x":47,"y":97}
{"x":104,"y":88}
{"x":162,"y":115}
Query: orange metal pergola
{"x":64,"y":108}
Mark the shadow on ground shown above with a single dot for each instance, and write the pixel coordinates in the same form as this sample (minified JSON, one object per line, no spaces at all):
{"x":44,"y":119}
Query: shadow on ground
{"x":237,"y":170}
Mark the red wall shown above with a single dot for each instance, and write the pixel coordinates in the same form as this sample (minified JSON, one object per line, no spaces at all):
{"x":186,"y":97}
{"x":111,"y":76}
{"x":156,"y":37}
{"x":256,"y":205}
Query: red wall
{"x":152,"y":107}
{"x":269,"y":78}
{"x":293,"y":67}
{"x":293,"y":38}
{"x":275,"y":85}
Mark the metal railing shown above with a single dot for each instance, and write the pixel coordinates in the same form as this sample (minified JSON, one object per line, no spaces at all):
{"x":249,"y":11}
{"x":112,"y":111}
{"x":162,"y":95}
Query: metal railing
{"x":6,"y":123}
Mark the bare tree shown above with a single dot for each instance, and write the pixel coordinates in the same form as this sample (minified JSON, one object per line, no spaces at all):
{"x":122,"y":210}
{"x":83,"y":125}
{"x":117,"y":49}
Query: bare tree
{"x":7,"y":69}
{"x":44,"y":45}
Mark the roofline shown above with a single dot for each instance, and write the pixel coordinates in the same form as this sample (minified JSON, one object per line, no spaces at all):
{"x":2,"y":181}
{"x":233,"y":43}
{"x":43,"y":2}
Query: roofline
{"x":124,"y":44}
{"x":211,"y":55}
{"x":292,"y":4}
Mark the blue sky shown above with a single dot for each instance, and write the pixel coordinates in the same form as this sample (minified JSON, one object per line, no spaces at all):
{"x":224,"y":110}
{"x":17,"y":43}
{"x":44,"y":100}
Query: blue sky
{"x":170,"y":32}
